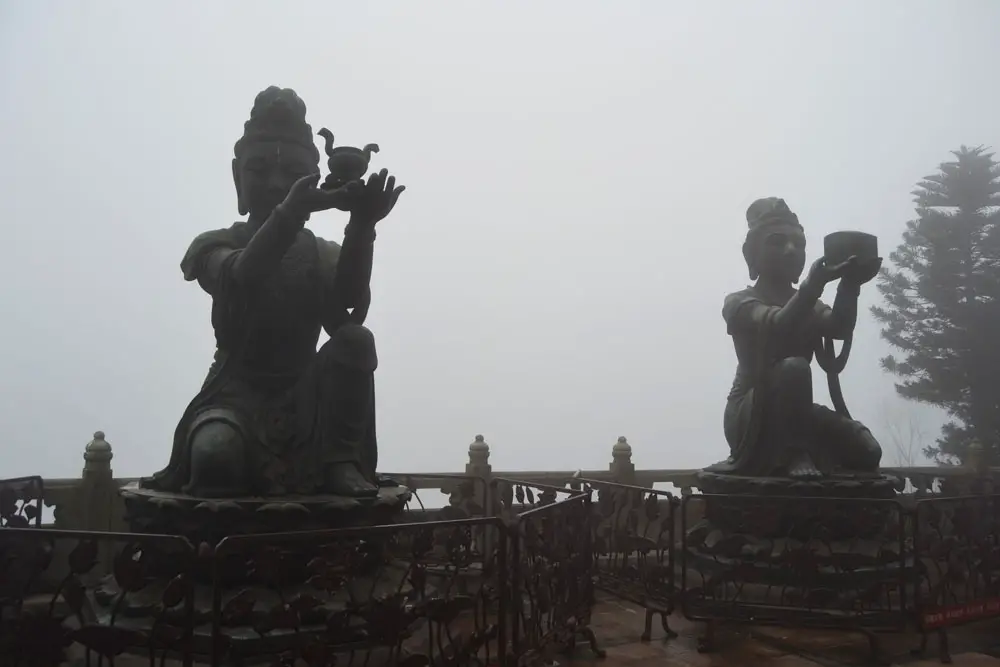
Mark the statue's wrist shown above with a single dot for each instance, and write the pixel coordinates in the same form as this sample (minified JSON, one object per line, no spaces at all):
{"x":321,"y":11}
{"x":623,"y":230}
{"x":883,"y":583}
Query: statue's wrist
{"x":360,"y":220}
{"x":810,"y":289}
{"x":849,"y":288}
{"x":285,"y":212}
{"x":359,"y":229}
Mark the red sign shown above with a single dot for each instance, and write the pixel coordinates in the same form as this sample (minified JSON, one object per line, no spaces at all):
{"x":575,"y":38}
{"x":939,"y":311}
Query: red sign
{"x":961,"y":613}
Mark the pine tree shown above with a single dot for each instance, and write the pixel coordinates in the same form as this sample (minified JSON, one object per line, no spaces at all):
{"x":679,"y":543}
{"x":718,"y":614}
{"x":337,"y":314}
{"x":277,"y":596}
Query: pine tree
{"x":942,"y":303}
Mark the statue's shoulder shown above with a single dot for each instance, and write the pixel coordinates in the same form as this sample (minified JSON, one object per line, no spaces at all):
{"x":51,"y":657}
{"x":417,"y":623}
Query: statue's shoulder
{"x":736,"y":299}
{"x":233,"y":237}
{"x":735,"y":303}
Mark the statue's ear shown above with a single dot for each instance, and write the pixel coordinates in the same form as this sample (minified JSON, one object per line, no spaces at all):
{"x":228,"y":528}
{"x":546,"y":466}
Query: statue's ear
{"x":239,"y":190}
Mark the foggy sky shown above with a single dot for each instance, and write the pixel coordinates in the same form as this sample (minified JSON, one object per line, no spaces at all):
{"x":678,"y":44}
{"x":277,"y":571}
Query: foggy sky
{"x":577,"y":175}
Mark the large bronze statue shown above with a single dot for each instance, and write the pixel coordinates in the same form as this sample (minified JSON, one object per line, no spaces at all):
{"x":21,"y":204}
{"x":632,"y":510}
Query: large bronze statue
{"x":275,"y":416}
{"x":771,"y":422}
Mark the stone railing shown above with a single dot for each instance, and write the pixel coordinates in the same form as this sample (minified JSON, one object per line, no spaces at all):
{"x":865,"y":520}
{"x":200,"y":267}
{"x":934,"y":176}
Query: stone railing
{"x":91,"y":502}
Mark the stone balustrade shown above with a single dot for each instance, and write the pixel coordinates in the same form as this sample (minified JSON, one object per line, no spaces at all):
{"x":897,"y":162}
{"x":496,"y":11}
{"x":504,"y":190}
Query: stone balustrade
{"x":91,"y":502}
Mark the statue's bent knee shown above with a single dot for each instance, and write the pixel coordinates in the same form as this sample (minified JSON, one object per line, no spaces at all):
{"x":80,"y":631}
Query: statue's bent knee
{"x":793,"y":372}
{"x":352,"y":345}
{"x":218,"y":460}
{"x":868,"y":453}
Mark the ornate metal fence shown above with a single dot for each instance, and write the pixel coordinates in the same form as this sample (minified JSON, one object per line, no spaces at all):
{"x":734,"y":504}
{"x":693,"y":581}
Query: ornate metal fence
{"x":550,"y":561}
{"x":802,"y":562}
{"x":85,"y":616}
{"x":957,"y":543}
{"x":634,"y":546}
{"x":412,"y":593}
{"x":510,"y":588}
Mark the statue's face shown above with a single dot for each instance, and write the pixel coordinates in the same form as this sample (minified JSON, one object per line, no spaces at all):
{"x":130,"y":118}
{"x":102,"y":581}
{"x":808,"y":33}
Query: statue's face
{"x":265,"y":172}
{"x":781,"y":254}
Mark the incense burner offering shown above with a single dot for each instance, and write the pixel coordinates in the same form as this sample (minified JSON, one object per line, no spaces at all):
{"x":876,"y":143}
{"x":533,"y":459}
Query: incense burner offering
{"x":346,"y":163}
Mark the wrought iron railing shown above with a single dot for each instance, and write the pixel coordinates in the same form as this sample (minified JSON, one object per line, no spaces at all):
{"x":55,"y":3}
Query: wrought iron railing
{"x":528,"y":537}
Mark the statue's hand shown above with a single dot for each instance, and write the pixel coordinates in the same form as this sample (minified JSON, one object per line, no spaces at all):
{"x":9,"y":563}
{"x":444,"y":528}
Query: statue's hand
{"x":821,"y":273}
{"x":305,"y":197}
{"x":376,"y":199}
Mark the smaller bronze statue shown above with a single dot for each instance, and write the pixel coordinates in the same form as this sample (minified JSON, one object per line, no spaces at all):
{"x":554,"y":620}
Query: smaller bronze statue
{"x":773,"y":427}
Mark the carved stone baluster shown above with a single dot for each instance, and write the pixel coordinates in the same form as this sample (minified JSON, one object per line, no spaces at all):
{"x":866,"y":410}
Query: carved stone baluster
{"x":479,"y":466}
{"x":98,"y":498}
{"x":622,"y":469}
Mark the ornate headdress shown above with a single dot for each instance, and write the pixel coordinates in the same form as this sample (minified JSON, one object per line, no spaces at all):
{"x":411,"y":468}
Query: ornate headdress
{"x":278,"y":114}
{"x":761,"y":214}
{"x":768,"y":211}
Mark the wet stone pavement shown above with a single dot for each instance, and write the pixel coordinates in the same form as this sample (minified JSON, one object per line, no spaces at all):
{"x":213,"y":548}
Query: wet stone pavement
{"x":618,"y":626}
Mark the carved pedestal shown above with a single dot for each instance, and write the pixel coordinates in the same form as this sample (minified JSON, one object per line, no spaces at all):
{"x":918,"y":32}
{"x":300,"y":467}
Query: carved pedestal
{"x":824,"y":553}
{"x":832,"y":508}
{"x":262,"y":576}
{"x":210,"y":520}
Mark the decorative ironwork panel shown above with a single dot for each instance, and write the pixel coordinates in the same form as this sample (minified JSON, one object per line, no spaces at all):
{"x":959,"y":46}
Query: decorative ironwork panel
{"x":21,"y":502}
{"x":634,"y":536}
{"x":86,"y":616}
{"x":958,"y":560}
{"x":405,"y":594}
{"x":796,"y":561}
{"x":551,"y":563}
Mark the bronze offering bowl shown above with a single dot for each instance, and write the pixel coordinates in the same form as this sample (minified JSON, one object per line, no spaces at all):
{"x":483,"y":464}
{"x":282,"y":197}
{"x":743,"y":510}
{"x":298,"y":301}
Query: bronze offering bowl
{"x":346,"y":163}
{"x":840,"y":246}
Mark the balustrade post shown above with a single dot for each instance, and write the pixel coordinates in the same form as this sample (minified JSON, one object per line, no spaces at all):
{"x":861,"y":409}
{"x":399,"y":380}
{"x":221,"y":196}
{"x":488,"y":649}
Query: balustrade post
{"x":622,"y":469}
{"x":479,"y":466}
{"x":97,"y":503}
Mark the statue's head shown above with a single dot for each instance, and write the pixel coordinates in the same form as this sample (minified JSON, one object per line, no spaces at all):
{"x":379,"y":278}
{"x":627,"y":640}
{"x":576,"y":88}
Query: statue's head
{"x":276,"y":150}
{"x":775,"y":245}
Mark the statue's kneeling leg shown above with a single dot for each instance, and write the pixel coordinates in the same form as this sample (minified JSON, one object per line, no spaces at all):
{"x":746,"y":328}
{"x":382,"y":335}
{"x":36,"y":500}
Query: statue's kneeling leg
{"x":788,"y":415}
{"x":349,"y":361}
{"x":218,"y":462}
{"x":863,"y":452}
{"x":791,"y":386}
{"x":852,"y":445}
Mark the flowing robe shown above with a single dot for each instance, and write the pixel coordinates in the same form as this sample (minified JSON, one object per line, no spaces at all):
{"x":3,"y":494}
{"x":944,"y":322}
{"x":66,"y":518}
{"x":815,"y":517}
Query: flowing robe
{"x":268,"y":381}
{"x":758,"y":349}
